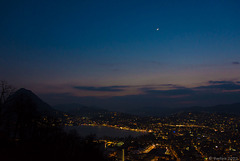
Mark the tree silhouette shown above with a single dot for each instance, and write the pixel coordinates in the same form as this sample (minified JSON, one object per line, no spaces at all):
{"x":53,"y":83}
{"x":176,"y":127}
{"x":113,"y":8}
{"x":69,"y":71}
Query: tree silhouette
{"x":5,"y":91}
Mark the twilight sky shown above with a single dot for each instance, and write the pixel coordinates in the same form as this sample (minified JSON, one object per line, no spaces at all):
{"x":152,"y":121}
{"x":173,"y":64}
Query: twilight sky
{"x":109,"y":53}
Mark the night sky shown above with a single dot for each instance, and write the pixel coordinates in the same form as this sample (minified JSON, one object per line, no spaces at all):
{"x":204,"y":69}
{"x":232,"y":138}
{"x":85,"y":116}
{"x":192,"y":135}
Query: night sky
{"x":121,"y":54}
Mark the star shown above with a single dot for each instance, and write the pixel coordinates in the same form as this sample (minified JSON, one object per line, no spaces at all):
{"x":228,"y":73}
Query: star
{"x":157,"y":29}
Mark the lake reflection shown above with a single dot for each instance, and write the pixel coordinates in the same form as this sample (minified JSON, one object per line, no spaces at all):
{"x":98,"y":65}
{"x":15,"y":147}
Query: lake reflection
{"x":101,"y":131}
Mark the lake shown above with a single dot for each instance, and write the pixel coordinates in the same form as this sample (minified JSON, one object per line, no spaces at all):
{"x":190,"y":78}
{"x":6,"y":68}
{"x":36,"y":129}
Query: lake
{"x":102,"y":131}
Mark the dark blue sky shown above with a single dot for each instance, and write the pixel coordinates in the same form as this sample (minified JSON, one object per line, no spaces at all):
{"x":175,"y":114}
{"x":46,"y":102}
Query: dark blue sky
{"x":112,"y":48}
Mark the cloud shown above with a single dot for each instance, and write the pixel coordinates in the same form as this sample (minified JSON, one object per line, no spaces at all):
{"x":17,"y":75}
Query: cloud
{"x":170,"y":86}
{"x":101,"y":89}
{"x":220,"y":85}
{"x":116,"y":70}
{"x":172,"y":96}
{"x":122,"y":88}
{"x":156,"y":62}
{"x":235,"y":63}
{"x":220,"y":82}
{"x":172,"y":92}
{"x":107,"y":64}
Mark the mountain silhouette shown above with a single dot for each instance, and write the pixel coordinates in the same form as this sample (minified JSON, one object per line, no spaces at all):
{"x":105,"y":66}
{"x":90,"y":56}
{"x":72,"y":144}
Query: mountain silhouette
{"x":28,"y":132}
{"x":23,"y":112}
{"x":26,"y":96}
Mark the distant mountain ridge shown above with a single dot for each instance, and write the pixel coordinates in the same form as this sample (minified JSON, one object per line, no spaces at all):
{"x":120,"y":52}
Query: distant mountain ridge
{"x":224,"y":108}
{"x":78,"y":109}
{"x":154,"y":111}
{"x":23,"y":96}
